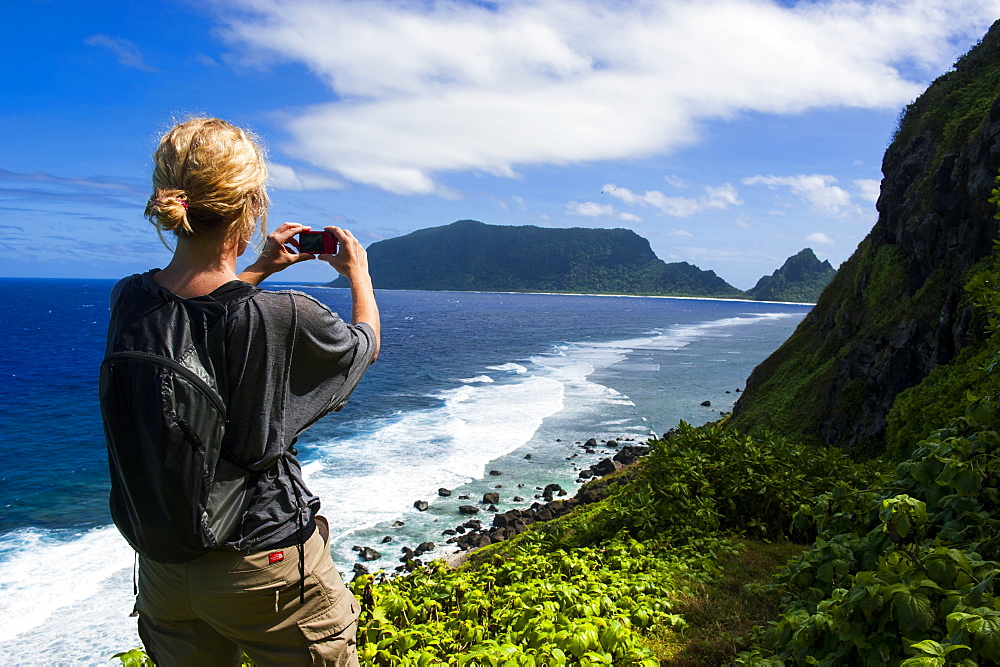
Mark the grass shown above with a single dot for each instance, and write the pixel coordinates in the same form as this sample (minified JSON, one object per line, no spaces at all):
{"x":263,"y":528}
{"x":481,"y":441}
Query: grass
{"x":720,"y":614}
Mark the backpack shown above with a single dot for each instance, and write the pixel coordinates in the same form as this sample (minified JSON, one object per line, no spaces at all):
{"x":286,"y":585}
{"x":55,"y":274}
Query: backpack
{"x":176,"y":489}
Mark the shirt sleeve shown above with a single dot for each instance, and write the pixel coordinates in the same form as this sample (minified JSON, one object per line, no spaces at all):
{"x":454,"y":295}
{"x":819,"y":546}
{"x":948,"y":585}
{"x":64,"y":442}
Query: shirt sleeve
{"x":328,"y":359}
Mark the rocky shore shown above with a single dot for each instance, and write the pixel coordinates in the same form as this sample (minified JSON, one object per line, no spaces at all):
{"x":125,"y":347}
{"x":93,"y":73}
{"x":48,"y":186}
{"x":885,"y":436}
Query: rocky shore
{"x":496,"y":526}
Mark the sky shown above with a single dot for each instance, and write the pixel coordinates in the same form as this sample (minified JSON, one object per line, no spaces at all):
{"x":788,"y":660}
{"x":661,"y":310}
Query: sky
{"x":731,"y":134}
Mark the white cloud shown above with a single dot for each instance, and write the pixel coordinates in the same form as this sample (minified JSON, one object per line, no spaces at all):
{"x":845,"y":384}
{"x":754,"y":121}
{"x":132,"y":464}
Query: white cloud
{"x":594,"y":210}
{"x":819,"y":190}
{"x":868,"y":189}
{"x":678,"y":232}
{"x":424,"y":88}
{"x":284,"y":177}
{"x":128,"y":53}
{"x":720,"y":197}
{"x":820,"y":237}
{"x":590,"y":209}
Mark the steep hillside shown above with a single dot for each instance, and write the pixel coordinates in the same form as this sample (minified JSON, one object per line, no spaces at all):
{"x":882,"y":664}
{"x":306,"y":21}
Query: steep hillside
{"x":896,"y":309}
{"x":472,"y":256}
{"x":801,"y":278}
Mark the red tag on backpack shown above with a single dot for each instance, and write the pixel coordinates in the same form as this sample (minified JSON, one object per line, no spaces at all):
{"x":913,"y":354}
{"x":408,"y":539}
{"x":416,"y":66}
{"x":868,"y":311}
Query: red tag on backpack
{"x":275,"y":557}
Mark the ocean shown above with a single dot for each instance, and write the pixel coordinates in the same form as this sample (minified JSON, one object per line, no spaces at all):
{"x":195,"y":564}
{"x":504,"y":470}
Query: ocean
{"x":466,"y":384}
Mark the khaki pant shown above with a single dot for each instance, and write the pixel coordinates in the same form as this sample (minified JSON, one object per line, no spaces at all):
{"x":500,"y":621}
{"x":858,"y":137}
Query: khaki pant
{"x":207,"y":611}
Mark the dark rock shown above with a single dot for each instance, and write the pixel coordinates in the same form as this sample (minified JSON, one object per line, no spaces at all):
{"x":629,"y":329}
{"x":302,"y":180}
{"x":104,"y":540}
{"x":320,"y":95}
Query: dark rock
{"x":611,"y":443}
{"x":421,"y":505}
{"x":464,"y":497}
{"x":444,"y":493}
{"x":707,"y":404}
{"x":468,"y":509}
{"x":591,"y":443}
{"x":491,"y":508}
{"x":473,"y":524}
{"x":386,"y":539}
{"x":527,"y":456}
{"x":356,"y":547}
{"x":423,"y":548}
{"x":629,"y":454}
{"x":586,"y":474}
{"x":398,"y":524}
{"x":360,"y":569}
{"x":551,"y":489}
{"x":605,"y":467}
{"x":449,"y":531}
{"x":495,"y":473}
{"x":367,"y":553}
{"x":518,"y":499}
{"x":491,"y":498}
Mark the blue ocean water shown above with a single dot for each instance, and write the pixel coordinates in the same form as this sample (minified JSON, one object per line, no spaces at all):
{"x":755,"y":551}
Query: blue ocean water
{"x":466,"y":383}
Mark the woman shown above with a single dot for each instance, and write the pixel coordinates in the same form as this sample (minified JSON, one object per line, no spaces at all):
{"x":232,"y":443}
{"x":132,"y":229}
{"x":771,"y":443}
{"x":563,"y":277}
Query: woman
{"x":269,"y":588}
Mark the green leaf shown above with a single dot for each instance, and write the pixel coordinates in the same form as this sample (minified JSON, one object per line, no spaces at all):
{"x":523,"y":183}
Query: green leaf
{"x":913,"y":611}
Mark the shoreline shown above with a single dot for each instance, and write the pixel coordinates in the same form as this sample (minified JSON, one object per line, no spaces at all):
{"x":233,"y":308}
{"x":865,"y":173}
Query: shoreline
{"x":617,"y":296}
{"x":483,"y":524}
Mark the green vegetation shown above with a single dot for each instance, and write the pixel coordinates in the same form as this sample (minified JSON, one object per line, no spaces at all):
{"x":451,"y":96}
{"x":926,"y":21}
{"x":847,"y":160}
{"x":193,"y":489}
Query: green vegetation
{"x":956,"y":104}
{"x":801,"y":278}
{"x":471,"y":256}
{"x":902,"y":574}
{"x":886,"y":319}
{"x":789,"y":391}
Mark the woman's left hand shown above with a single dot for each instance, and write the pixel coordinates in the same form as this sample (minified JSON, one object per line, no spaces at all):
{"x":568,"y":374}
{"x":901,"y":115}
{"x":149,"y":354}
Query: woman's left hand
{"x":281,"y":250}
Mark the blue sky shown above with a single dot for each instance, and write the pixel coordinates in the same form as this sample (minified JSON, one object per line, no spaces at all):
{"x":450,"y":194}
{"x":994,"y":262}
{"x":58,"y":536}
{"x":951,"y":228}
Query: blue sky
{"x":729,"y":133}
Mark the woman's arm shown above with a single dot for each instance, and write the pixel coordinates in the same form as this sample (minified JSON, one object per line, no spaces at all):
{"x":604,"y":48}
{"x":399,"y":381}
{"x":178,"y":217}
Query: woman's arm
{"x":351,"y":261}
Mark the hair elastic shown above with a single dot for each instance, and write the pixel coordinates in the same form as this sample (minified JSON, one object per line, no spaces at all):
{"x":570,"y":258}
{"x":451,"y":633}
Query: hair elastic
{"x":182,"y":202}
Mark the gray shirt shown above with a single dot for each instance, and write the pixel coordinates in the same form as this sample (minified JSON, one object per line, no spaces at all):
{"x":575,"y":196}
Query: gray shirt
{"x":289,"y":361}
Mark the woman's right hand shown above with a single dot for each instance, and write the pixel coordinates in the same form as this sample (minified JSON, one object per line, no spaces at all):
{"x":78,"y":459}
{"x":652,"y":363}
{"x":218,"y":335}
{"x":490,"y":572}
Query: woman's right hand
{"x":351,"y":260}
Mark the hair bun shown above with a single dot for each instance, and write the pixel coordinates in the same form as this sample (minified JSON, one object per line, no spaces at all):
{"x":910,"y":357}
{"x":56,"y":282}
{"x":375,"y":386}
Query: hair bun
{"x":169,"y":208}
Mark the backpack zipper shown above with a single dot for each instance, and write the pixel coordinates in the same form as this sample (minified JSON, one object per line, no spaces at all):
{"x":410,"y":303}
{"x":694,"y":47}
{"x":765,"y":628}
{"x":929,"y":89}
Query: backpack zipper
{"x":184,"y":371}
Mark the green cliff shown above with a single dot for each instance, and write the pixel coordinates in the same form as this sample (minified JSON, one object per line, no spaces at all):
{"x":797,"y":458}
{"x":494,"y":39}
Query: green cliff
{"x":896,"y":309}
{"x":472,"y":256}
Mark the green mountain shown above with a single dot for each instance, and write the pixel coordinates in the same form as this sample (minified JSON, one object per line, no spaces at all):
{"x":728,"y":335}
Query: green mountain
{"x":801,"y":279}
{"x":898,"y":308}
{"x":472,"y":256}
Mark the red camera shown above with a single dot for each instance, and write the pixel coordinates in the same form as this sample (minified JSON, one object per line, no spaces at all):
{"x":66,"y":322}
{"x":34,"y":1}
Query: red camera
{"x":318,"y":243}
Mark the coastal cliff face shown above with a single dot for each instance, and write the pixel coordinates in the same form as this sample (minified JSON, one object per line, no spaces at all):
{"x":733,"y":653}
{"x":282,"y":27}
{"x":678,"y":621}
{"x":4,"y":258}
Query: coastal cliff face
{"x":897,"y":307}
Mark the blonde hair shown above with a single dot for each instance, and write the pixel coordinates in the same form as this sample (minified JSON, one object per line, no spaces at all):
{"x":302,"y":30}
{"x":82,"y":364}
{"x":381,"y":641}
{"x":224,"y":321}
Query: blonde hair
{"x":209,"y":176}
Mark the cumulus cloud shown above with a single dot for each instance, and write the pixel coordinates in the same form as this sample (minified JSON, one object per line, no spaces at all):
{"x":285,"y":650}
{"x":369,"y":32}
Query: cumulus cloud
{"x":128,"y":53}
{"x":868,"y":189}
{"x":820,"y":237}
{"x":821,"y":191}
{"x":419,"y":88}
{"x":594,"y":210}
{"x":284,"y":177}
{"x":715,"y":197}
{"x":590,"y":209}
